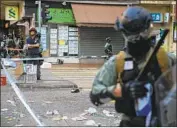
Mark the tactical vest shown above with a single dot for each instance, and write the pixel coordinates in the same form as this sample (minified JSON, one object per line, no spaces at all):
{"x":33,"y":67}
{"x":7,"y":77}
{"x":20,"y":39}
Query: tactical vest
{"x":126,"y":106}
{"x":162,"y":59}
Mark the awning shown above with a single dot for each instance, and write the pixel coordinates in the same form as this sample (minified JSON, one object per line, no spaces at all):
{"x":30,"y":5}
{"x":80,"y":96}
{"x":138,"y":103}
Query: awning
{"x":96,"y":15}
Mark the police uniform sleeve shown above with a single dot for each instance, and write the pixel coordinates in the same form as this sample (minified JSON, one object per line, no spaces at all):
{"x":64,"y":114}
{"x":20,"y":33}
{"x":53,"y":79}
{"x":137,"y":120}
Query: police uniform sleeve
{"x":106,"y":79}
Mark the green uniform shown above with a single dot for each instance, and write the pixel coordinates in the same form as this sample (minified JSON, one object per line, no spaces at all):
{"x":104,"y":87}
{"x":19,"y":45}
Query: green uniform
{"x":106,"y":78}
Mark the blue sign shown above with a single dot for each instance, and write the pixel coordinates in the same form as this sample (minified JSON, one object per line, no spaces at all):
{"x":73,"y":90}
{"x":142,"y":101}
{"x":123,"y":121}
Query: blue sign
{"x":156,"y":17}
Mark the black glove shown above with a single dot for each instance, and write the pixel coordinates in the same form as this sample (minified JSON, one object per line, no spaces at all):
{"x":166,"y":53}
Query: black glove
{"x":95,"y":99}
{"x":134,"y":89}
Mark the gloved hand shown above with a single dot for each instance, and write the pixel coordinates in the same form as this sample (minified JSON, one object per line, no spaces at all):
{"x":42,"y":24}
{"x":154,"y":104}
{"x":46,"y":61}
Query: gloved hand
{"x":95,"y":99}
{"x":134,"y":89}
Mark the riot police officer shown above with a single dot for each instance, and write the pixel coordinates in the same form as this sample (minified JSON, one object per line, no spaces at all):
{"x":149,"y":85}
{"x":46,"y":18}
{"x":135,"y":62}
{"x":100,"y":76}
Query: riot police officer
{"x":108,"y":47}
{"x":135,"y":25}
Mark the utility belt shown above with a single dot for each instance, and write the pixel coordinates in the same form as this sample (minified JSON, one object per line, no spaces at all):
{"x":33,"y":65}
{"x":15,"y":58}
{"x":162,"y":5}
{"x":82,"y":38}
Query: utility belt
{"x":126,"y":105}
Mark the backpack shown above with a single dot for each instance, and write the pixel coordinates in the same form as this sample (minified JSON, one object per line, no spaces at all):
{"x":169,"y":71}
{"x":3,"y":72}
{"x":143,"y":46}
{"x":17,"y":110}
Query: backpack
{"x":162,"y":59}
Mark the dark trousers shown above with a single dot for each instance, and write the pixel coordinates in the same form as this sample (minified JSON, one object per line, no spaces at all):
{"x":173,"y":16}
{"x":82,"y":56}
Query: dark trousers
{"x":35,"y":62}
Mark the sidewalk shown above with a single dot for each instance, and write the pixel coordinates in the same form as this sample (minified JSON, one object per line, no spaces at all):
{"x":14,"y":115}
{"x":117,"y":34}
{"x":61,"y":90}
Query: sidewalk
{"x":76,"y":66}
{"x":65,"y":76}
{"x":48,"y":80}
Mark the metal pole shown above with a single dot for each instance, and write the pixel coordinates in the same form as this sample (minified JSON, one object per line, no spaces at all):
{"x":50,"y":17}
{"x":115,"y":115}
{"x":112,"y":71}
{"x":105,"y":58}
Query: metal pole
{"x":39,"y":15}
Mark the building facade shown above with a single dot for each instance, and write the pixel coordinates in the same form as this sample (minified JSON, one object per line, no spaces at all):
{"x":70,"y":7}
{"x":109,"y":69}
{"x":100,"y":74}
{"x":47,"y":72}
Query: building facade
{"x":78,"y":29}
{"x":163,"y":14}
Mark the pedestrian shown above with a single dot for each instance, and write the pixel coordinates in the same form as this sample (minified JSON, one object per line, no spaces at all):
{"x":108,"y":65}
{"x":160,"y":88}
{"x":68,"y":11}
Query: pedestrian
{"x":108,"y":47}
{"x":116,"y":78}
{"x":33,"y":45}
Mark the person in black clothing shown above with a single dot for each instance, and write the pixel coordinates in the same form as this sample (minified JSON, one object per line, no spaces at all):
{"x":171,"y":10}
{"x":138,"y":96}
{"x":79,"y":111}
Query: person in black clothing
{"x":33,"y":45}
{"x":108,"y":47}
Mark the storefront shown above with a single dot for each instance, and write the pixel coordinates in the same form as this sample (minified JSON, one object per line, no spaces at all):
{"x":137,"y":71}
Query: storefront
{"x":163,"y":17}
{"x":96,"y":22}
{"x":63,"y":33}
{"x":59,"y":37}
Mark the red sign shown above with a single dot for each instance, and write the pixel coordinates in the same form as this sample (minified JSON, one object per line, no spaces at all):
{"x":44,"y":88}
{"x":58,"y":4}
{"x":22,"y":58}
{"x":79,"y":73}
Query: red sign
{"x":3,"y":81}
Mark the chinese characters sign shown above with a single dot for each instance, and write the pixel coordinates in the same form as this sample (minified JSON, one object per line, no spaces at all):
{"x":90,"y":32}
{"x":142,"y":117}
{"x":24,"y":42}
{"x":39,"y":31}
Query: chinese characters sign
{"x":60,"y":15}
{"x":11,"y":13}
{"x":157,"y":17}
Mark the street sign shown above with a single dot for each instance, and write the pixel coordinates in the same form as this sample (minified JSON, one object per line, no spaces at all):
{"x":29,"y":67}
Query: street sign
{"x":11,"y":13}
{"x":166,"y":17}
{"x":157,"y":17}
{"x":61,"y":15}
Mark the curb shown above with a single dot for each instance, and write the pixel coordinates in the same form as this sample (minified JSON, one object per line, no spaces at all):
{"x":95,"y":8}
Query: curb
{"x":46,"y":85}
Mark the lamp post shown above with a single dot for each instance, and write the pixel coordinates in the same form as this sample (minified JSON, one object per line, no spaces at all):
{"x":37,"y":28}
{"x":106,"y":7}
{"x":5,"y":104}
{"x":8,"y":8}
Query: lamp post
{"x":39,"y":14}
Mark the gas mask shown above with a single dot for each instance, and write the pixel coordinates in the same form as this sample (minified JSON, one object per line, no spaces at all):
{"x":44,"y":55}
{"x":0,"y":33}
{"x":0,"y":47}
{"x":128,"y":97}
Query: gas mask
{"x":138,"y":44}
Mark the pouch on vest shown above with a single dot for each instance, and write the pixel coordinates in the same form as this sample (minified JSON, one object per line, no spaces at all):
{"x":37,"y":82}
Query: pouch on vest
{"x":125,"y":105}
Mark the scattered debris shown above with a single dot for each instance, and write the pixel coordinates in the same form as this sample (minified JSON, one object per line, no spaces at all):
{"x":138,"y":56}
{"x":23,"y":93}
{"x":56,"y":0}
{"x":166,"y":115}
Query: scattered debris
{"x":4,"y":109}
{"x":57,"y":118}
{"x":12,"y":102}
{"x":83,"y":114}
{"x":64,"y":117}
{"x":49,"y":113}
{"x":75,"y":90}
{"x":9,"y":119}
{"x":91,"y":110}
{"x":31,"y":101}
{"x":18,"y":125}
{"x":107,"y":113}
{"x":60,"y":118}
{"x":80,"y":118}
{"x":90,"y":123}
{"x":22,"y":115}
{"x":14,"y":112}
{"x":54,"y":112}
{"x":48,"y":102}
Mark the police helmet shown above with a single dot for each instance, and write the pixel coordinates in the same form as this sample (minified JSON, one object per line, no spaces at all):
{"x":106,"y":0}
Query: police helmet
{"x":134,"y":21}
{"x":108,"y":39}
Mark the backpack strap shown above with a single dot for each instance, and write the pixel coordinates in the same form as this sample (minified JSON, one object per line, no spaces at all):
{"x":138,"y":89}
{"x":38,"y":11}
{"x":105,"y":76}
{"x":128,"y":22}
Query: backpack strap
{"x":120,"y":64}
{"x":162,"y":58}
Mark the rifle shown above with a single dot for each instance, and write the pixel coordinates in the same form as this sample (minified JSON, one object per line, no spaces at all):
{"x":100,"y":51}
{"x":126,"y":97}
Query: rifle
{"x":143,"y":106}
{"x":152,"y":53}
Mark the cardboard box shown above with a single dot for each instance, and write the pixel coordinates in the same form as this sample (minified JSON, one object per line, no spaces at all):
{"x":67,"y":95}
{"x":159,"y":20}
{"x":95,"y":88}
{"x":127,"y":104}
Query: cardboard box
{"x":19,"y":69}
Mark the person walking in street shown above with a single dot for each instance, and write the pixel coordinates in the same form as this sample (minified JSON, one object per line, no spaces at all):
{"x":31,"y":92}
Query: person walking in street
{"x":108,"y":47}
{"x":33,"y":45}
{"x":116,"y":78}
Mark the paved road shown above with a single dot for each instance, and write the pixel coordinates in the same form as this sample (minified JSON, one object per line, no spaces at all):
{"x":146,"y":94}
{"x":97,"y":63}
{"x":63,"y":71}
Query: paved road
{"x":82,"y":77}
{"x":43,"y":100}
{"x":66,"y":103}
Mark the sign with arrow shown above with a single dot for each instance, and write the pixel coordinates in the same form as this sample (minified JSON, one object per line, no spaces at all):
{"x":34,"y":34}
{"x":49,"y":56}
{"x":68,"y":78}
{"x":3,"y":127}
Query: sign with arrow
{"x":11,"y":13}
